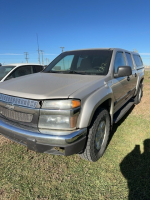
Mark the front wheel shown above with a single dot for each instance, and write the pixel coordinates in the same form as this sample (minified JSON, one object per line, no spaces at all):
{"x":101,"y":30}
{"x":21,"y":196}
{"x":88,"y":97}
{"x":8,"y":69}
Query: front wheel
{"x":98,"y":136}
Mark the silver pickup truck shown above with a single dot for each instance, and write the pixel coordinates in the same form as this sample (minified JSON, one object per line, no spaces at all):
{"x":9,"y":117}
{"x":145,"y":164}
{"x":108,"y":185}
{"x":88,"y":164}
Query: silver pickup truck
{"x":70,"y":107}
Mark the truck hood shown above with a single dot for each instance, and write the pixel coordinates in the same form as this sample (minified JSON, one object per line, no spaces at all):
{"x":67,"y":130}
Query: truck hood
{"x":48,"y":85}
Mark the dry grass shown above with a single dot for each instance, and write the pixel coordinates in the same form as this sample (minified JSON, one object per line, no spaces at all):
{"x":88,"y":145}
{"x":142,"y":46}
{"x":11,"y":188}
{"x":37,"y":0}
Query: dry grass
{"x":143,"y":108}
{"x":4,"y":140}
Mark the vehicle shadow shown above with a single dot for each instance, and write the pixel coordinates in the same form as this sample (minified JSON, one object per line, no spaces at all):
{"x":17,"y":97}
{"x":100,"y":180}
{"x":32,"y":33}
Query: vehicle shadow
{"x":135,"y":167}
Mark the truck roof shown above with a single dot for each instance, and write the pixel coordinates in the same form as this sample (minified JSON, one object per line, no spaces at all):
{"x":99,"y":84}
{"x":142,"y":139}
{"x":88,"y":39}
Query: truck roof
{"x":110,"y":48}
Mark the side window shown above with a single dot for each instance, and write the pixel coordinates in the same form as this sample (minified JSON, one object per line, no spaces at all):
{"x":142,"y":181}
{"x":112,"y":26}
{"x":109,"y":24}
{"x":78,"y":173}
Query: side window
{"x":119,"y":60}
{"x":37,"y":68}
{"x":20,"y":71}
{"x":129,"y":59}
{"x":140,"y":60}
{"x":137,"y":60}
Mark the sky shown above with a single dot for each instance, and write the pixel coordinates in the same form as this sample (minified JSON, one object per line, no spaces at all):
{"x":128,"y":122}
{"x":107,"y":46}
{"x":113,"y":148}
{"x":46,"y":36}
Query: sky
{"x":72,"y":24}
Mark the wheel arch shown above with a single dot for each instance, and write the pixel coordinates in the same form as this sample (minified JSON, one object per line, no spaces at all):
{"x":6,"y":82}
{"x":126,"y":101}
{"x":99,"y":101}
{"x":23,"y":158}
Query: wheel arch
{"x":93,"y":104}
{"x":139,"y":81}
{"x":108,"y":105}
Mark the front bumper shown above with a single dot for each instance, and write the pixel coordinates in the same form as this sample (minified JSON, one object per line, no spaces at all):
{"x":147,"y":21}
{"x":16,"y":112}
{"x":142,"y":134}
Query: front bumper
{"x":71,"y":143}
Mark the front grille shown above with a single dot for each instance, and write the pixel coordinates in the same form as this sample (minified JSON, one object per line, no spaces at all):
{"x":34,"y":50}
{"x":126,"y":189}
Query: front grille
{"x":18,"y":116}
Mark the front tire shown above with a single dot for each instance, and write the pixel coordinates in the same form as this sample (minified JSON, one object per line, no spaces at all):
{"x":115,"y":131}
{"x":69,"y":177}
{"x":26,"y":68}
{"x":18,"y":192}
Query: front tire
{"x":98,"y":136}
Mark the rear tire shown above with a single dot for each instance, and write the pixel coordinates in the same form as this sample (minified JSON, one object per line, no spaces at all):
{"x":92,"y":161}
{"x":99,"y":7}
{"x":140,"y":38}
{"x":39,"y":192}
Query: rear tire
{"x":138,"y":95}
{"x":98,"y":136}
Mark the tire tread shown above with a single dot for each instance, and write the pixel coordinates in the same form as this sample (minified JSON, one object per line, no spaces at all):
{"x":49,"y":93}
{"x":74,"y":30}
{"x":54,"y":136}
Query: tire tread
{"x":87,"y":154}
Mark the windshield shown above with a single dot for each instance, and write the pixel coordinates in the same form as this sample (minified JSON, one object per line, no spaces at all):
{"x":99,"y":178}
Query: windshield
{"x":92,"y":62}
{"x":4,"y":70}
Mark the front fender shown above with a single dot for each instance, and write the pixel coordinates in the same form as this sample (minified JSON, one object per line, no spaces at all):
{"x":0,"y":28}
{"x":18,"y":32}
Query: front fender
{"x":92,"y":103}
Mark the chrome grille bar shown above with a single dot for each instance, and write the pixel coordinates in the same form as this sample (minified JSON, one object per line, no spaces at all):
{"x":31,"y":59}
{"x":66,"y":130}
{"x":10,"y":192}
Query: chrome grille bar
{"x":18,"y":116}
{"x":18,"y":101}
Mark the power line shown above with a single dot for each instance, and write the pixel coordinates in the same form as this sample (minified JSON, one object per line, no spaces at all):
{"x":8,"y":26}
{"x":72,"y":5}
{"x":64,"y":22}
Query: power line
{"x":38,"y":50}
{"x":26,"y":54}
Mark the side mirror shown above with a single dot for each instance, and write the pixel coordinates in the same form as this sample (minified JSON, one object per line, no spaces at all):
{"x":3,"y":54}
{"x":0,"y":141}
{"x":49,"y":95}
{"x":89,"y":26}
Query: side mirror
{"x":123,"y":71}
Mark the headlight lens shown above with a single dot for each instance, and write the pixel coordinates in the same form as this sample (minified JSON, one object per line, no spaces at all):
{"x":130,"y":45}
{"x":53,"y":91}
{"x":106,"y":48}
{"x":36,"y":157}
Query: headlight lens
{"x":57,"y":121}
{"x":59,"y":114}
{"x":61,"y":104}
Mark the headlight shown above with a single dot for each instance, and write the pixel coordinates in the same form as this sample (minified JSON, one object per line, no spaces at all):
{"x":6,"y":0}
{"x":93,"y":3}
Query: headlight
{"x":57,"y":121}
{"x":59,"y":114}
{"x":61,"y":104}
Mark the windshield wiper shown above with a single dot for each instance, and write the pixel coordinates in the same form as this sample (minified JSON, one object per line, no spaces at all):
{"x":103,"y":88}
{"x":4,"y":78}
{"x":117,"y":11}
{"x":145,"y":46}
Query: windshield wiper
{"x":77,"y":72}
{"x":50,"y":71}
{"x":68,"y":72}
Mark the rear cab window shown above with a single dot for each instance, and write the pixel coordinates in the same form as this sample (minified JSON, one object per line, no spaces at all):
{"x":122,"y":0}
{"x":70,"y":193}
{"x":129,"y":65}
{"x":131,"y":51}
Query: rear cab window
{"x":138,"y":61}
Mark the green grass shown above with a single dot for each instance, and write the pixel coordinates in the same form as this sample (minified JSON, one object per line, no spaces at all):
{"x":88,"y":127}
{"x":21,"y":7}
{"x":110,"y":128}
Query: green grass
{"x":30,"y":175}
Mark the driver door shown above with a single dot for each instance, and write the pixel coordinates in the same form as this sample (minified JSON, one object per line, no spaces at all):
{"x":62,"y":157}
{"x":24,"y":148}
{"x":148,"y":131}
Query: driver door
{"x":120,"y":85}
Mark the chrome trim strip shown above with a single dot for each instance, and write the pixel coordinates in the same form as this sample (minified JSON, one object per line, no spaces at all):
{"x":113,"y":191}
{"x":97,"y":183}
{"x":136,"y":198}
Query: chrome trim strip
{"x":18,"y":101}
{"x":47,"y":139}
{"x":70,"y":112}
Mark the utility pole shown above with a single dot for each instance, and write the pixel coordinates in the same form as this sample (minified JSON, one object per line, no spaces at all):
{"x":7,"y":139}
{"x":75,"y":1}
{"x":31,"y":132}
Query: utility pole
{"x":47,"y":61}
{"x":38,"y":50}
{"x":63,"y":58}
{"x":42,"y":57}
{"x":62,"y":48}
{"x":26,"y":54}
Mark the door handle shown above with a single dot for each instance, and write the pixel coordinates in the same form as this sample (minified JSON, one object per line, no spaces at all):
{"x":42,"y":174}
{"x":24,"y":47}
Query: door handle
{"x":128,"y":78}
{"x":135,"y":75}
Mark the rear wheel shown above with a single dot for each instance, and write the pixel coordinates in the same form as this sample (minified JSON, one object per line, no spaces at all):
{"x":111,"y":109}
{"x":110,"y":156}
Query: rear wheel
{"x":98,"y":136}
{"x":138,"y":95}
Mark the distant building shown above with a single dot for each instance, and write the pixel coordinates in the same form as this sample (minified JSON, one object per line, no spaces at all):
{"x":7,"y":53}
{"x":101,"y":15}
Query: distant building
{"x":147,"y":66}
